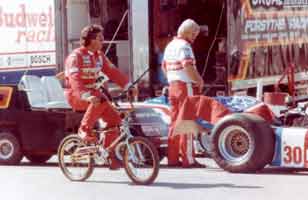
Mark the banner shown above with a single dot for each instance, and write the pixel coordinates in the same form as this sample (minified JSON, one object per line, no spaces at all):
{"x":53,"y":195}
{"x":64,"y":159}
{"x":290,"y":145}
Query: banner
{"x":265,"y":36}
{"x":27,"y":34}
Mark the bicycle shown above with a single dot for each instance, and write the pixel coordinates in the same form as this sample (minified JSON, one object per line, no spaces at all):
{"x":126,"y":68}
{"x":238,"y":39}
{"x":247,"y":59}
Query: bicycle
{"x":140,"y":156}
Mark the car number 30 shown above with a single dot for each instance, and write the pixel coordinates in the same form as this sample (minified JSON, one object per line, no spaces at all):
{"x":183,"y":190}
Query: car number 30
{"x":295,"y":155}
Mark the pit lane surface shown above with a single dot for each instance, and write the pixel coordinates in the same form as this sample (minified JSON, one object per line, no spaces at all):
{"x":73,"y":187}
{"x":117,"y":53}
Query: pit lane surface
{"x":46,"y":182}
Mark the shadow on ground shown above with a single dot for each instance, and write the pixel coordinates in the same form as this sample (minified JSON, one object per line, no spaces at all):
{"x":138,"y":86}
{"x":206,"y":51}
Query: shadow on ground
{"x":182,"y":185}
{"x":265,"y":171}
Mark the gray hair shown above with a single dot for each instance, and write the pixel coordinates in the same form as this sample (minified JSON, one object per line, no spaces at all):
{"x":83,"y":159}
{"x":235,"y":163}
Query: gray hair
{"x":188,"y":26}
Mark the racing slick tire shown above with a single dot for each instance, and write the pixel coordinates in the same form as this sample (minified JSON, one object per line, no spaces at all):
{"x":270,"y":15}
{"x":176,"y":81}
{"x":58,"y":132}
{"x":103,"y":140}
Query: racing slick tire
{"x":38,"y":158}
{"x":242,"y":143}
{"x":10,"y":149}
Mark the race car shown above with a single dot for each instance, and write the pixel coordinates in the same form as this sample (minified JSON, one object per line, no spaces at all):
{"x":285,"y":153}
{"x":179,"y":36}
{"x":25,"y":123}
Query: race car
{"x":251,"y":136}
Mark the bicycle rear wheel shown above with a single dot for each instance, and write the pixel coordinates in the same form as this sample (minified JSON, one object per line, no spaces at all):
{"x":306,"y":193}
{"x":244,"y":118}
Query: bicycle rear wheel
{"x":141,"y":161}
{"x":74,"y":164}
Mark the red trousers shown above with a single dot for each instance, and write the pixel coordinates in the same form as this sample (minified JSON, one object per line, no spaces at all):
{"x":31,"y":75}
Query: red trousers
{"x":179,"y":145}
{"x":103,"y":111}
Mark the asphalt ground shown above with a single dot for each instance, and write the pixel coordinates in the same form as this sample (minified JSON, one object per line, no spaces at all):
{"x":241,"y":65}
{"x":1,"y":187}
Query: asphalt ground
{"x":46,"y":182}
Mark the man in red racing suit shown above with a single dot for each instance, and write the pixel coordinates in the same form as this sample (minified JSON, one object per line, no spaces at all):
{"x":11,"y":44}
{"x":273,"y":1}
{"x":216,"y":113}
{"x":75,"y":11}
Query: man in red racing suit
{"x":82,"y":69}
{"x":184,"y":80}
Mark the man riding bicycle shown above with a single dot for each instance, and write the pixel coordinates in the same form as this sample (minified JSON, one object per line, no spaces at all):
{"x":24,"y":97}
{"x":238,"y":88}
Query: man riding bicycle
{"x":83,"y":68}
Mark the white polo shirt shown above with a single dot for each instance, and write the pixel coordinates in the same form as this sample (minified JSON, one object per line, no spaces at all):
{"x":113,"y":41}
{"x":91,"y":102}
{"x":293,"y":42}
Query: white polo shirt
{"x":177,"y":54}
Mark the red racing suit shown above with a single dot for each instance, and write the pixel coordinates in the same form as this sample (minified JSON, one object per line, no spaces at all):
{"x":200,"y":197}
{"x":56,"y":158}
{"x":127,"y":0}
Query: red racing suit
{"x":178,"y":54}
{"x":82,"y":68}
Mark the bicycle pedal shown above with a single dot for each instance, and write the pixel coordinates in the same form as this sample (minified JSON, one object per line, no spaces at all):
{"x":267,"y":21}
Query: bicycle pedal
{"x":103,"y":153}
{"x":100,"y":160}
{"x":101,"y":157}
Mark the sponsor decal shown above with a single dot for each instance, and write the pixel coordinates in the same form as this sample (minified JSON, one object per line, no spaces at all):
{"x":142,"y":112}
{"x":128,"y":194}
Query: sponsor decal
{"x":276,"y":29}
{"x":267,"y":3}
{"x":86,"y":60}
{"x":27,"y":35}
{"x":278,"y":4}
{"x":98,"y":64}
{"x":147,"y":115}
{"x":151,"y":130}
{"x":40,"y":59}
{"x":26,"y":60}
{"x":31,"y":26}
{"x":15,"y":60}
{"x":73,"y":70}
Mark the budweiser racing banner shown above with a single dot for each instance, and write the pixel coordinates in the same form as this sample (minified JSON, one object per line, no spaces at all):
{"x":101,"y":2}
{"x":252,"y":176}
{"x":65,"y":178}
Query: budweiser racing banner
{"x":27,"y":35}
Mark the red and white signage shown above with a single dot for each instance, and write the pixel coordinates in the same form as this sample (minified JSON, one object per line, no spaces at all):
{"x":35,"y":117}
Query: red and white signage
{"x":27,"y":34}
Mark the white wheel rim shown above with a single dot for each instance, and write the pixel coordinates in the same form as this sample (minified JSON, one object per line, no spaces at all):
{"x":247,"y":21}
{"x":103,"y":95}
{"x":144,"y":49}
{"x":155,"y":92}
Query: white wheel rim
{"x":74,"y":171}
{"x":6,"y":149}
{"x":236,"y":145}
{"x":140,"y":170}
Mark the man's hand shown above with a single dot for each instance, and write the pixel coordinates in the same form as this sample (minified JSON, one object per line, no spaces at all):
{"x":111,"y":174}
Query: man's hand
{"x":94,"y":100}
{"x":132,"y":92}
{"x":60,"y":76}
{"x":194,"y":75}
{"x":200,"y":87}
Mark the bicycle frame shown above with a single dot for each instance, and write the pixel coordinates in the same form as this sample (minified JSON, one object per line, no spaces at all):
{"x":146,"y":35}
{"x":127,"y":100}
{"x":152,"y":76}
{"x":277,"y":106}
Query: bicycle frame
{"x":101,"y":153}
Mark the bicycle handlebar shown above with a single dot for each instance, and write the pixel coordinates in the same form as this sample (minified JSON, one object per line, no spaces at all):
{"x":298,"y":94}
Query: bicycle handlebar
{"x":126,"y":93}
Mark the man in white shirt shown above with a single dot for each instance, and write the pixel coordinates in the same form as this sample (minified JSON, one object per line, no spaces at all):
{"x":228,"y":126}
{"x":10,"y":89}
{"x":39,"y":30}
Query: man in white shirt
{"x":184,"y":80}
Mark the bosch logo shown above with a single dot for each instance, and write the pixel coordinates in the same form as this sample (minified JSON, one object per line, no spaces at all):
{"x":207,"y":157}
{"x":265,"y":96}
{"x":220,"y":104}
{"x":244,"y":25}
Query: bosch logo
{"x":40,"y":59}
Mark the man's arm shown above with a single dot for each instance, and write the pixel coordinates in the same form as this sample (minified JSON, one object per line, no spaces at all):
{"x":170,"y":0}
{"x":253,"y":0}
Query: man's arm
{"x":189,"y":66}
{"x":114,"y":74}
{"x":194,"y":75}
{"x":118,"y":77}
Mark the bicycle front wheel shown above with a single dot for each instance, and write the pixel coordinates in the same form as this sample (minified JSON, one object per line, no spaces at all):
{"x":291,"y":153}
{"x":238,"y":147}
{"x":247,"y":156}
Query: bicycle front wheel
{"x":141,"y":161}
{"x":75,"y":164}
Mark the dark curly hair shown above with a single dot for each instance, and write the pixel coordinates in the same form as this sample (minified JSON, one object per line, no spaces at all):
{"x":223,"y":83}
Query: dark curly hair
{"x":89,"y":33}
